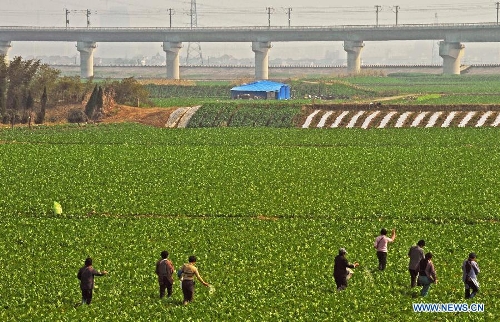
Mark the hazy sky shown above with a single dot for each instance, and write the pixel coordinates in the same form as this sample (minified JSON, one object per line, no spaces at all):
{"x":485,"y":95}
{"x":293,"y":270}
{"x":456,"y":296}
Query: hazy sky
{"x":214,"y":13}
{"x":238,"y":12}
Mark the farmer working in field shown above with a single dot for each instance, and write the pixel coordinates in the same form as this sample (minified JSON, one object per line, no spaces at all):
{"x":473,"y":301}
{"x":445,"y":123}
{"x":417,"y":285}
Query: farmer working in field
{"x":86,"y":276}
{"x":187,"y":274}
{"x":341,"y":270}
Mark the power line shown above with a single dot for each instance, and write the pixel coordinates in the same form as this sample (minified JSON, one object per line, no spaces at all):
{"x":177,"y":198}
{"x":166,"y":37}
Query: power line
{"x":454,"y":11}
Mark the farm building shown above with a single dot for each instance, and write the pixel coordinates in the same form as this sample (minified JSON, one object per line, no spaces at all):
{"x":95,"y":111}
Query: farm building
{"x":261,"y":90}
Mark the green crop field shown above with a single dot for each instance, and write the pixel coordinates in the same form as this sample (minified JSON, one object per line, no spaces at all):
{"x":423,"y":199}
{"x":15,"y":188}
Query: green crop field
{"x":264,"y":210}
{"x":417,"y":88}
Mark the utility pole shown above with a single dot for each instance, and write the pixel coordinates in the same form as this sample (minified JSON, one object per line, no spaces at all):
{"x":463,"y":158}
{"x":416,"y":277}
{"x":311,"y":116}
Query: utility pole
{"x":88,"y":18}
{"x":269,"y":10}
{"x":377,"y":9}
{"x":289,"y":16}
{"x":397,"y":11}
{"x":170,"y":13}
{"x":67,"y":19}
{"x":498,"y":7}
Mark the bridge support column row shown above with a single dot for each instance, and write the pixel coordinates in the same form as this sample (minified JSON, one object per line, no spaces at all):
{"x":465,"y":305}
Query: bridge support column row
{"x":261,"y":50}
{"x":353,"y":49}
{"x":172,"y":51}
{"x":452,"y":53}
{"x":86,"y":49}
{"x":4,"y":49}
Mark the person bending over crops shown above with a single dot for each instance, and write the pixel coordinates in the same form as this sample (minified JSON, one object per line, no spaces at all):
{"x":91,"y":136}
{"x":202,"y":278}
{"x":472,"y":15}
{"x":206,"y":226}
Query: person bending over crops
{"x":86,"y":276}
{"x":165,"y":269}
{"x":341,"y":270}
{"x":187,"y":273}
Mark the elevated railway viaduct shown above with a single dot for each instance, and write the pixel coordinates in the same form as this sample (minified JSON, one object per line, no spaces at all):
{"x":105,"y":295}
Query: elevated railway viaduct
{"x":451,"y":39}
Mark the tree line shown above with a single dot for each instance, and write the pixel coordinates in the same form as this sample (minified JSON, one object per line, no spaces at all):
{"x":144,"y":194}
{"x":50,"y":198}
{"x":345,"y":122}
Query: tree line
{"x":29,"y":88}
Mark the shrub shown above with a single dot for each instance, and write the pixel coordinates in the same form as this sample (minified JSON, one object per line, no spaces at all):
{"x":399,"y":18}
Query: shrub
{"x":76,"y":115}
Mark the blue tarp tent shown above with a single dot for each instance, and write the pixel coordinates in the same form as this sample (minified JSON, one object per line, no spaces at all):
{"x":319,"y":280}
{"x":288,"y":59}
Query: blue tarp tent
{"x":263,"y":89}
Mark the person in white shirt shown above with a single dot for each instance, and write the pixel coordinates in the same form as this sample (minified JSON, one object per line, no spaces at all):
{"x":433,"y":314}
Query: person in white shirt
{"x":470,"y":270}
{"x":380,"y":245}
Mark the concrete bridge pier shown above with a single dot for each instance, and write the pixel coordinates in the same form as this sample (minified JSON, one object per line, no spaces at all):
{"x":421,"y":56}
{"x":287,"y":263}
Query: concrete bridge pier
{"x":452,"y":53}
{"x":261,"y":50}
{"x":4,"y":49}
{"x":172,"y":51}
{"x":353,"y":49}
{"x":86,"y":49}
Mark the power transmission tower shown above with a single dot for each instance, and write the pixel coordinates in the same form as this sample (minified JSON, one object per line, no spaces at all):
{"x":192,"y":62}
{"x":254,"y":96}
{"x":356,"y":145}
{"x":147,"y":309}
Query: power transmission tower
{"x":194,"y":49}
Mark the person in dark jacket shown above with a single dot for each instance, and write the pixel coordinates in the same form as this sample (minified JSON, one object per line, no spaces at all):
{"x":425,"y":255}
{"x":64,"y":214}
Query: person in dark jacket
{"x":426,"y":274}
{"x":86,"y":276}
{"x":164,"y":270}
{"x":341,"y":270}
{"x":416,"y":254}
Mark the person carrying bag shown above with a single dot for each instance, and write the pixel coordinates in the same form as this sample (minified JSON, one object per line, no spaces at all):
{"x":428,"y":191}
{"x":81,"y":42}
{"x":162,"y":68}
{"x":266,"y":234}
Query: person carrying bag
{"x":470,"y":270}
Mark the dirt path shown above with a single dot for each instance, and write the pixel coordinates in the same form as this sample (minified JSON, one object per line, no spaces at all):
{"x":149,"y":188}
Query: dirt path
{"x":154,"y":116}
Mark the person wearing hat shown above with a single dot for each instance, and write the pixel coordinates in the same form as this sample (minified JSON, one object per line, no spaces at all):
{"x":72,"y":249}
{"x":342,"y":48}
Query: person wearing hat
{"x":380,"y":245}
{"x":416,"y":254}
{"x":341,"y":270}
{"x":86,"y":276}
{"x":470,"y":270}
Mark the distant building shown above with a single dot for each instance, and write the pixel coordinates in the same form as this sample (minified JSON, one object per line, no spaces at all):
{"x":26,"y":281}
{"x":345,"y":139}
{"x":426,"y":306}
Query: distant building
{"x":263,"y":89}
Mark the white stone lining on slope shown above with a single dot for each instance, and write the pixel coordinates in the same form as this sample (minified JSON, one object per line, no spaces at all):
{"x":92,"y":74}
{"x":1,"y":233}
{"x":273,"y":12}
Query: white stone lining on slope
{"x":324,"y":118}
{"x":497,"y":121}
{"x":466,"y":119}
{"x":483,"y":119}
{"x":354,"y":119}
{"x":369,"y":119}
{"x":433,"y":119}
{"x":448,"y":120}
{"x":339,"y":119}
{"x":386,"y":120}
{"x":402,"y":120}
{"x":183,"y":122}
{"x":175,"y":116}
{"x":418,"y":119}
{"x":309,"y":119}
